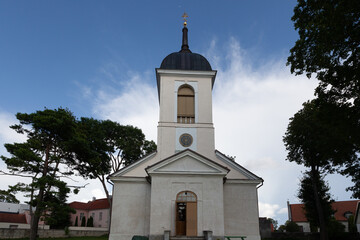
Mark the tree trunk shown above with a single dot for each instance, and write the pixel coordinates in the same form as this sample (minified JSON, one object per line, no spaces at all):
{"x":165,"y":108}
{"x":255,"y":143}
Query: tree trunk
{"x":39,"y":208}
{"x":36,"y":216}
{"x":102,"y":180}
{"x":319,"y":208}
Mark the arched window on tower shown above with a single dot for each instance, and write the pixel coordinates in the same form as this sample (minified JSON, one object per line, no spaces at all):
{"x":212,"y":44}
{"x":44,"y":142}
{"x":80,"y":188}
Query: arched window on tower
{"x":186,"y":105}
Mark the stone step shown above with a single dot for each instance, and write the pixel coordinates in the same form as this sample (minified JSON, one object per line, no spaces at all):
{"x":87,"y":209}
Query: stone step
{"x":186,"y":238}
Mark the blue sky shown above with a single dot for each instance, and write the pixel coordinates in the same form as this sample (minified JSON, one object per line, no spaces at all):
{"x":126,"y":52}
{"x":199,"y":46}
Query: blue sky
{"x":97,"y":58}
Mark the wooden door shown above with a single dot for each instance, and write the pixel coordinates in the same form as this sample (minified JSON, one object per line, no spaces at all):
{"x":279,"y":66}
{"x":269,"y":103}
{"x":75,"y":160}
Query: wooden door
{"x":191,"y":219}
{"x":180,"y":219}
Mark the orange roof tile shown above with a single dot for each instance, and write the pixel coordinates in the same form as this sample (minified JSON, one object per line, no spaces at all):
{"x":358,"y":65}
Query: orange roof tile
{"x":12,"y":218}
{"x":341,"y":207}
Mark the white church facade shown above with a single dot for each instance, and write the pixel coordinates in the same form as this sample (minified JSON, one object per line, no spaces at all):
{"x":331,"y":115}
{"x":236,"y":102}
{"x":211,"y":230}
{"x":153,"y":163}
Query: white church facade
{"x":185,"y":188}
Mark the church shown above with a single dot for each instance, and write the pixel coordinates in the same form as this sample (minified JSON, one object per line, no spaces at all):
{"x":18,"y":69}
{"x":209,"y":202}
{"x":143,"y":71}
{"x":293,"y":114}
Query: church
{"x":186,"y":188}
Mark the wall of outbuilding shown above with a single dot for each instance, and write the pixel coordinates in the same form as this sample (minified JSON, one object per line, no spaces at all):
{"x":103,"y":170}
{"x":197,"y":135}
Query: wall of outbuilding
{"x":130,"y":209}
{"x":241,"y":214}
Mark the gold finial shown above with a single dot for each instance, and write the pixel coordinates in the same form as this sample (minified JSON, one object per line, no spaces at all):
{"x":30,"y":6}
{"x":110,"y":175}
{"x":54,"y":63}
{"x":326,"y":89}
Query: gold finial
{"x":185,"y":16}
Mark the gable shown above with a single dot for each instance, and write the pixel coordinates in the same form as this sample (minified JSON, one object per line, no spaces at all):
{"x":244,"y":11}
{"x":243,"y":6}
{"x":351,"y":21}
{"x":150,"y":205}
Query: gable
{"x":187,"y":162}
{"x":237,"y":171}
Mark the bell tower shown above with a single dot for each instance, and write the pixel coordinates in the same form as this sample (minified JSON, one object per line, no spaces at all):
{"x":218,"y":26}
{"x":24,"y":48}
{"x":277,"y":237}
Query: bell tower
{"x":185,"y":81}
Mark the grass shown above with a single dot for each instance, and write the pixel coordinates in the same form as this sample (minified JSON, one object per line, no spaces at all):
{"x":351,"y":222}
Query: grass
{"x":104,"y":237}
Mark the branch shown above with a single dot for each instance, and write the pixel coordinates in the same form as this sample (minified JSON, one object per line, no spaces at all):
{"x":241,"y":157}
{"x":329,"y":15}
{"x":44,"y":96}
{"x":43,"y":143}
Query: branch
{"x":13,"y":174}
{"x":78,"y":186}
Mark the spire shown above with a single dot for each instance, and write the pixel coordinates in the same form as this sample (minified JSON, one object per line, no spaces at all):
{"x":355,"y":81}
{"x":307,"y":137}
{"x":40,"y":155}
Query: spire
{"x":185,"y":45}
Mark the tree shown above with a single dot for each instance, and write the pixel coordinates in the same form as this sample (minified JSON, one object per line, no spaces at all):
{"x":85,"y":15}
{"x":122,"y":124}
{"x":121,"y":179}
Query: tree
{"x":90,"y":222}
{"x":42,"y":157}
{"x":274,"y":223}
{"x":329,"y":47}
{"x":58,"y":211}
{"x":292,"y":227}
{"x":306,"y":195}
{"x":108,"y":146}
{"x":83,"y":221}
{"x":311,"y":140}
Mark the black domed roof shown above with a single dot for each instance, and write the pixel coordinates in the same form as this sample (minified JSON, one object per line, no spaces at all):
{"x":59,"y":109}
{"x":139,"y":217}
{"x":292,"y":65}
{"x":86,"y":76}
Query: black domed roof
{"x":185,"y":59}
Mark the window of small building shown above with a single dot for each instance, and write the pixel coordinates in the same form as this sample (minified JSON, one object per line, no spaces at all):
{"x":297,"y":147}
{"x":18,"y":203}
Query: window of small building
{"x":100,"y":216}
{"x":186,"y":105}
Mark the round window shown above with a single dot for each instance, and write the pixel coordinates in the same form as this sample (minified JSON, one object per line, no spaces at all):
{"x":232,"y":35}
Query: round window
{"x":186,"y":140}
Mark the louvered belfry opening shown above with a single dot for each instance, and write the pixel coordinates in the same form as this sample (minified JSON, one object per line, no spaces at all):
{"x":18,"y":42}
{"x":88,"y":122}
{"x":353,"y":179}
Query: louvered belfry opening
{"x":186,"y":105}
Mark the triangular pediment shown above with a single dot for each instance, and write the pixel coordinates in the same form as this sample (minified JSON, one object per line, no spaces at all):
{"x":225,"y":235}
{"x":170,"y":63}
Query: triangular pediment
{"x":187,"y":162}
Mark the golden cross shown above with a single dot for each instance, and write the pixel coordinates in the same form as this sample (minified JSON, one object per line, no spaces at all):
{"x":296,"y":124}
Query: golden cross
{"x":185,"y":16}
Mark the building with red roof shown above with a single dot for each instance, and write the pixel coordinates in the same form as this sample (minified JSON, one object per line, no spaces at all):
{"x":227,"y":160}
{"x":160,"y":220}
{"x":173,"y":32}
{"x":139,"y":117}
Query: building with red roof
{"x":98,"y":209}
{"x":13,"y":215}
{"x":343,"y":210}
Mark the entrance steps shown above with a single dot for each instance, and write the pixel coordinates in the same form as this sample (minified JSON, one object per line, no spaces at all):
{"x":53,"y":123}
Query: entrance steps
{"x":186,"y":238}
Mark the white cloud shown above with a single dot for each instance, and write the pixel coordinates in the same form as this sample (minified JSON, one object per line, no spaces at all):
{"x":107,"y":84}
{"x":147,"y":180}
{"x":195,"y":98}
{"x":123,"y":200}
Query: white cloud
{"x":134,"y":102}
{"x":8,"y":135}
{"x":268,"y":210}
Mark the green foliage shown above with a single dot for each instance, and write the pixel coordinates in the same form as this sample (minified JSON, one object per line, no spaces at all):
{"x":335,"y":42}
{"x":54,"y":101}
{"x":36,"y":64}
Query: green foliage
{"x":67,"y":231}
{"x":106,"y":146}
{"x":59,"y":216}
{"x":335,"y":228}
{"x":328,"y":45}
{"x":137,"y":237}
{"x":83,"y":221}
{"x":76,"y":222}
{"x":8,"y":196}
{"x":281,"y":228}
{"x":274,"y":223}
{"x":306,"y":195}
{"x":351,"y":224}
{"x":90,"y":222}
{"x":313,"y":139}
{"x":292,"y":227}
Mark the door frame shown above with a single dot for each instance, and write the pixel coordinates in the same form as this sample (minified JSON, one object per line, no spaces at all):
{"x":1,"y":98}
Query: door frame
{"x":187,"y":197}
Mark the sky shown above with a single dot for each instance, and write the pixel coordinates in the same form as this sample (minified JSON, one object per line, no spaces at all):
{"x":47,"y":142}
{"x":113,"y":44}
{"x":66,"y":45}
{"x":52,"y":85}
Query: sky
{"x":98,"y":59}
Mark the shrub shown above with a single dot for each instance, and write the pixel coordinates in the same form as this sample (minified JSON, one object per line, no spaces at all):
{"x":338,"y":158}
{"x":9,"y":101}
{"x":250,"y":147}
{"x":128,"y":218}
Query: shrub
{"x":90,"y":222}
{"x":292,"y":227}
{"x":83,"y":222}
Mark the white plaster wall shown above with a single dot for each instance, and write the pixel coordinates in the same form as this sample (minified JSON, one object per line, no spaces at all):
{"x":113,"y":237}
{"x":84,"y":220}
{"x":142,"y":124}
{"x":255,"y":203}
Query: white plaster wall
{"x":205,"y":100}
{"x":206,"y":141}
{"x":305,"y":226}
{"x":131,"y":213}
{"x":209,"y":191}
{"x":167,"y":136}
{"x":241,"y":210}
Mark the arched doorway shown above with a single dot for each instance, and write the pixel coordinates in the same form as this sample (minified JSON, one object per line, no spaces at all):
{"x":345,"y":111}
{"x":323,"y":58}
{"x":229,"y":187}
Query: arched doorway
{"x":186,"y":214}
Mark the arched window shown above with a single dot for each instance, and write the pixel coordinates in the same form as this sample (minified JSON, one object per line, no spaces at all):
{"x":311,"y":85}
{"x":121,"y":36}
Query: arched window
{"x":186,"y":196}
{"x":186,"y":105}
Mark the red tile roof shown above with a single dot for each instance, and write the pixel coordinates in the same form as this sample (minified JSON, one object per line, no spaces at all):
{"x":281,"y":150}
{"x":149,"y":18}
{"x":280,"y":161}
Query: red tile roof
{"x":91,"y":205}
{"x":341,"y":207}
{"x":12,"y":218}
{"x":297,"y":213}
